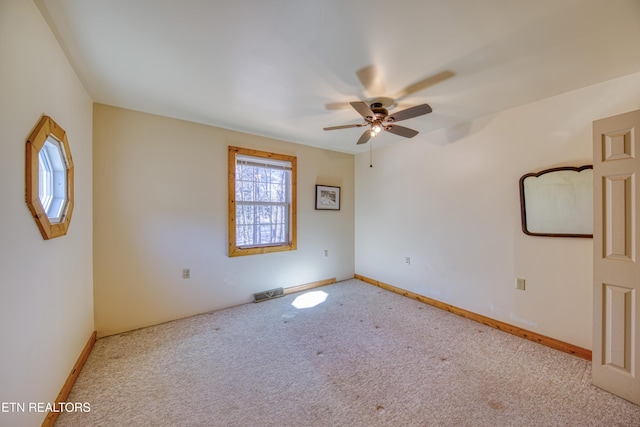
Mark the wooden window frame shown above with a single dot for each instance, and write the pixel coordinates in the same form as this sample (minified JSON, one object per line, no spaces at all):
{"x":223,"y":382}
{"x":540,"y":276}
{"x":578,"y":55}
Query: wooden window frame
{"x":46,"y":128}
{"x":240,"y":251}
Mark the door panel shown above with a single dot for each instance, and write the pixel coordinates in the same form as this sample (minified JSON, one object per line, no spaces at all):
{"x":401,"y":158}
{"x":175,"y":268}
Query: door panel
{"x":616,"y":272}
{"x":618,"y":217}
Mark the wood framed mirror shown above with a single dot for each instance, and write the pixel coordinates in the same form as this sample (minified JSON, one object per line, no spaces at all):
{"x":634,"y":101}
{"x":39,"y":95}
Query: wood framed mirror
{"x":558,"y":202}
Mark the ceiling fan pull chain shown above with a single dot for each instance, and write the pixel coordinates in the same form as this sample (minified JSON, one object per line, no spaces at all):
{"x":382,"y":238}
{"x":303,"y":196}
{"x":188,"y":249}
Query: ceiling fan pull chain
{"x":371,"y":154}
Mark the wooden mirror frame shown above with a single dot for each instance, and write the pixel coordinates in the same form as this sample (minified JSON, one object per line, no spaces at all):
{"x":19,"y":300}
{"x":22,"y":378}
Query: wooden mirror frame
{"x":46,"y":128}
{"x":523,"y":210}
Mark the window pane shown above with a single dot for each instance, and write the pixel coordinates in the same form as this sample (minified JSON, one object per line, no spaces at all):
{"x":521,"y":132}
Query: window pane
{"x":262,"y":224}
{"x":45,"y":181}
{"x":244,"y":214}
{"x":246,"y":191}
{"x":244,"y":235}
{"x":280,"y":194}
{"x":52,"y":180}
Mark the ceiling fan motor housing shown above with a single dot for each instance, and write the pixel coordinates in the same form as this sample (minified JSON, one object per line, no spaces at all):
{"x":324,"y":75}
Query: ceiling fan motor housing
{"x":379,"y":111}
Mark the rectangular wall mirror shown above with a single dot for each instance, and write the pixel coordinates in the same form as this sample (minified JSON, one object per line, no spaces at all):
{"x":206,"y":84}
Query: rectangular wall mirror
{"x":558,"y":202}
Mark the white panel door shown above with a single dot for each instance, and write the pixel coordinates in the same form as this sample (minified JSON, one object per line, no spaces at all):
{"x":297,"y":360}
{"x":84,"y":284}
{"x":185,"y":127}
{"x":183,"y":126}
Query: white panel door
{"x":616,"y":272}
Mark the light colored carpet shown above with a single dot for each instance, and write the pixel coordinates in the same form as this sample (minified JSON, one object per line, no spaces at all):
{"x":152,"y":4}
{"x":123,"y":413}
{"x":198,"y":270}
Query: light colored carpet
{"x":364,"y":357}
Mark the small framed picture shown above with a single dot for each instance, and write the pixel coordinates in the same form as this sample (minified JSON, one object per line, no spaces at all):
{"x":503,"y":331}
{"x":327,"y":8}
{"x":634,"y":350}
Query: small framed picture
{"x":327,"y":198}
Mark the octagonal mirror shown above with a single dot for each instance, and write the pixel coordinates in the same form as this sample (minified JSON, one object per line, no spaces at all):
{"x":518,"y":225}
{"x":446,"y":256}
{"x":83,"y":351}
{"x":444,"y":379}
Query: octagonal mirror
{"x":49,"y":178}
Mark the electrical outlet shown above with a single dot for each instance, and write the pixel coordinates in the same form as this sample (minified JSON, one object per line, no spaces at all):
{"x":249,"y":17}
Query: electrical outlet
{"x":520,"y":284}
{"x":186,"y":273}
{"x":326,"y":253}
{"x":407,"y":260}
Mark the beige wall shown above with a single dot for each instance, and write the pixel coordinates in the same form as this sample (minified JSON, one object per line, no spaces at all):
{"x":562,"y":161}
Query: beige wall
{"x":46,"y":287}
{"x":160,"y":205}
{"x":449,"y":200}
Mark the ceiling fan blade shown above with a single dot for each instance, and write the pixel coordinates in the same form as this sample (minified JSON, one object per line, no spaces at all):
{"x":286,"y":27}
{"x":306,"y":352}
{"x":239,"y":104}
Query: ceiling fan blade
{"x":424,"y":83}
{"x":401,"y":130}
{"x":370,"y":79}
{"x":409,"y":113}
{"x":337,"y":105}
{"x":366,"y":136}
{"x":363,"y":109}
{"x":358,"y":125}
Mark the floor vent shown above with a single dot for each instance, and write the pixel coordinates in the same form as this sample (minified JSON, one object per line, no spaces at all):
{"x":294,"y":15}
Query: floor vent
{"x":270,"y":294}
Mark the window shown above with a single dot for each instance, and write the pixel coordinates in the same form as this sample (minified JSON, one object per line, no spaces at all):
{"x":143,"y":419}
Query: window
{"x":52,"y":169}
{"x":49,"y":178}
{"x":262,"y":202}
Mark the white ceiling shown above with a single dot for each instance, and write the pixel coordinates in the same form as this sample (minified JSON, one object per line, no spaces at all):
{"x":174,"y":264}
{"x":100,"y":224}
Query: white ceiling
{"x":270,"y":67}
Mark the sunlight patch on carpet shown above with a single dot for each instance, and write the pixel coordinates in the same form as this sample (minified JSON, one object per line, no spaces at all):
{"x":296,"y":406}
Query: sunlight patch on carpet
{"x":309,"y":299}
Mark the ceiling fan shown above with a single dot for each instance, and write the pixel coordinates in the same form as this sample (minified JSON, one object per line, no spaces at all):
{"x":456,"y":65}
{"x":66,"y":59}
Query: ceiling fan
{"x":375,"y":110}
